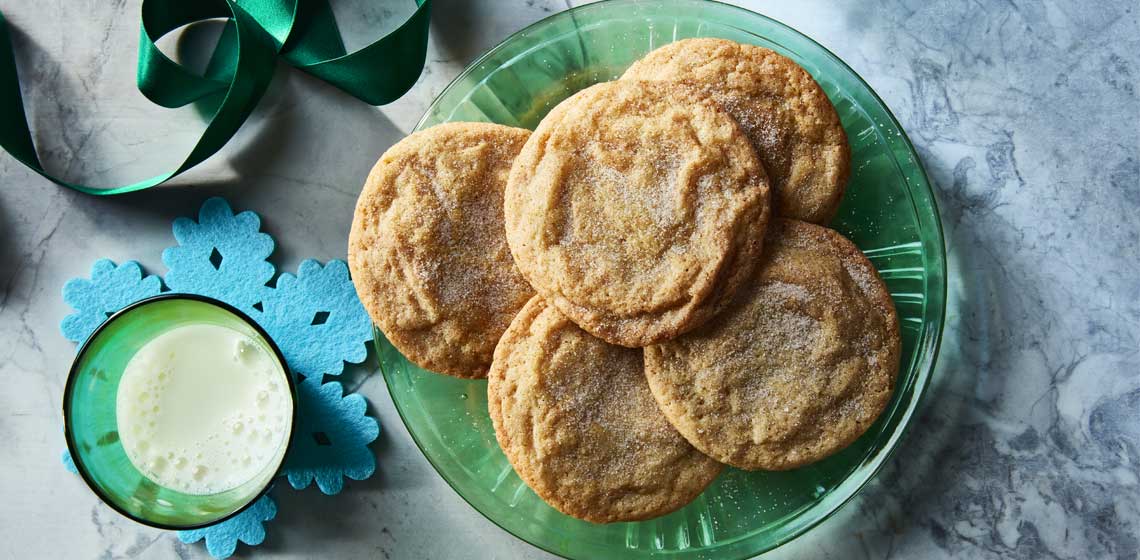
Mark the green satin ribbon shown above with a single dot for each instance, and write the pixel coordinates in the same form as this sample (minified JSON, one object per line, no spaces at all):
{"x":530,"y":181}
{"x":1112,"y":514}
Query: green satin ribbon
{"x":257,"y":33}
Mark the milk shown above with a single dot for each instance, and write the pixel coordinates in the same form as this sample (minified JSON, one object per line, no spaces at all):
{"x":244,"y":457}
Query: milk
{"x":203,"y":409}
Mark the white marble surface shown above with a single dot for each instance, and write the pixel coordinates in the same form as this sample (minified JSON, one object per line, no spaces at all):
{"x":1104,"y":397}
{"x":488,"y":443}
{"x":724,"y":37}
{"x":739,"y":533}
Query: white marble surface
{"x":1025,"y":113}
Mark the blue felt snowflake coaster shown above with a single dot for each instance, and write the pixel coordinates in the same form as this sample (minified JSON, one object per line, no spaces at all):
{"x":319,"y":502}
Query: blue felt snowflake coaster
{"x":69,"y":463}
{"x":314,"y":317}
{"x":247,"y":527}
{"x":337,"y":426}
{"x":110,"y":288}
{"x":222,"y":256}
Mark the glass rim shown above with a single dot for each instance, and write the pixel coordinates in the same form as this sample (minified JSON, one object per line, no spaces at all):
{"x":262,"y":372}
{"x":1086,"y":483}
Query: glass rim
{"x":69,"y":391}
{"x":933,"y":314}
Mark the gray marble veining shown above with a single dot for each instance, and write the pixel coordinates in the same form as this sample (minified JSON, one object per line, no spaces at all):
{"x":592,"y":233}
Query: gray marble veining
{"x":1025,"y":113}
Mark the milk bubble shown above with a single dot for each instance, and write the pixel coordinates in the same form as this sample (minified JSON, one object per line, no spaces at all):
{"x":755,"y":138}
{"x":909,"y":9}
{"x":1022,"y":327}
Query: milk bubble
{"x":200,"y":421}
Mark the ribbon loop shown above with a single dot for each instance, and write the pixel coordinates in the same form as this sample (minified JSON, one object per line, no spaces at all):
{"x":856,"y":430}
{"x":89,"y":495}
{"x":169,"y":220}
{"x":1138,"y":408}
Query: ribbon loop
{"x":161,"y":80}
{"x":395,"y":64}
{"x":256,"y":34}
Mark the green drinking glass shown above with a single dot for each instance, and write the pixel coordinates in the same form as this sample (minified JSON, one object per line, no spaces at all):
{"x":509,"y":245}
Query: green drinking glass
{"x":92,"y":431}
{"x":888,"y":211}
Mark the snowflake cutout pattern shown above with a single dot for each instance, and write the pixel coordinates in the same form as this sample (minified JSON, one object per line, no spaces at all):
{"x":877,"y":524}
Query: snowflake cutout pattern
{"x":314,"y":317}
{"x":332,"y":443}
{"x":110,"y":288}
{"x":222,"y":256}
{"x":317,"y":319}
{"x":247,"y":527}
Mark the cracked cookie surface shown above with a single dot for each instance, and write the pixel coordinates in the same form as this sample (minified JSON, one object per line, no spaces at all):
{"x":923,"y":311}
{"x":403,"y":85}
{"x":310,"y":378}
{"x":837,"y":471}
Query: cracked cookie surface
{"x":576,"y":420}
{"x":637,"y":208}
{"x":797,"y":368}
{"x":783,"y":111}
{"x":427,"y":250}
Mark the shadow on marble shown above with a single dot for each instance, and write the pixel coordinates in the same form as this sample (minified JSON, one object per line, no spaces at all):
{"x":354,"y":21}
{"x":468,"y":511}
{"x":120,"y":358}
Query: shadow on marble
{"x":356,"y":375}
{"x":354,"y":515}
{"x":453,"y":30}
{"x":10,"y":259}
{"x":461,"y":30}
{"x":289,"y":161}
{"x":34,"y":65}
{"x":903,"y":497}
{"x":297,"y":186}
{"x":913,"y":490}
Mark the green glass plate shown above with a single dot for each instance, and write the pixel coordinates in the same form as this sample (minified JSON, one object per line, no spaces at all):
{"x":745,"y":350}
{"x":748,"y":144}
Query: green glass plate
{"x":889,"y":211}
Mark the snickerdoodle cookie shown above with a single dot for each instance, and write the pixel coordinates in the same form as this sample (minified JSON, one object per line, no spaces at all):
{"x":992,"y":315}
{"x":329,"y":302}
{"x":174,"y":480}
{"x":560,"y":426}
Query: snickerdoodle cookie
{"x":797,"y":368}
{"x":576,"y":420}
{"x":427,"y":250}
{"x":637,"y":208}
{"x":783,"y":111}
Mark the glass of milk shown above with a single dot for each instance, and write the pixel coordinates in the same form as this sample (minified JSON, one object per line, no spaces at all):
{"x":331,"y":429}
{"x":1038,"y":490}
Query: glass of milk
{"x":178,"y":411}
